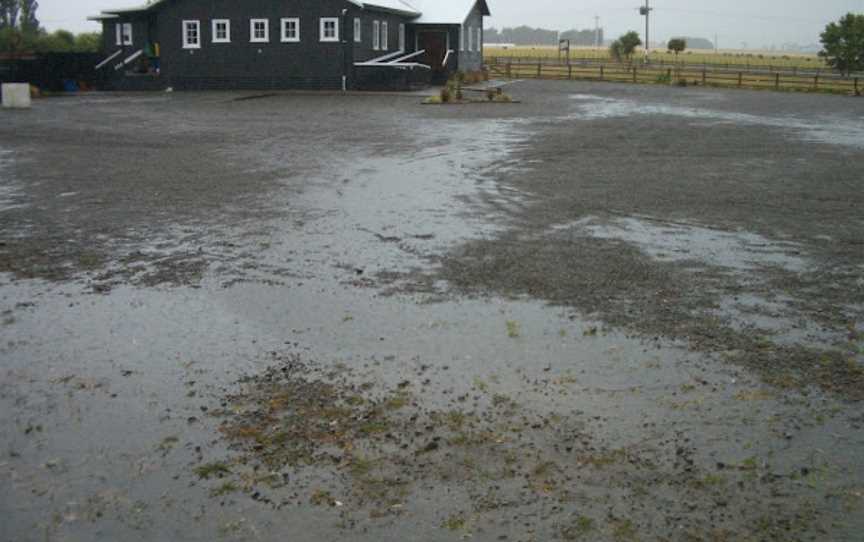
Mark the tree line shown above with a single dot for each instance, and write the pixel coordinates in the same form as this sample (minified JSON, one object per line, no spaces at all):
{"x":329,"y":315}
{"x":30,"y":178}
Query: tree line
{"x":526,"y":35}
{"x":20,"y":32}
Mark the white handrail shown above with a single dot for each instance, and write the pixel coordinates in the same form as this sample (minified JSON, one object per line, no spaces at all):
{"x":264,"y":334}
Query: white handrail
{"x":447,"y":57}
{"x":388,"y":56}
{"x":129,"y":59}
{"x":406,"y":57}
{"x":107,"y":60}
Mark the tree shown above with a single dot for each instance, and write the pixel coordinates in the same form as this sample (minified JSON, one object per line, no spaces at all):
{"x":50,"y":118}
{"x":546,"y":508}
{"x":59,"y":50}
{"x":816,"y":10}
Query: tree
{"x":9,"y":13}
{"x":677,"y":45}
{"x":28,"y":23}
{"x":623,"y":48}
{"x":843,"y":44}
{"x":88,"y":42}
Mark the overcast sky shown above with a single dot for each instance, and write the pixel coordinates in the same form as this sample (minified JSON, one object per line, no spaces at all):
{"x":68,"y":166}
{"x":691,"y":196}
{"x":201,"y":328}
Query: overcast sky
{"x":756,"y":22}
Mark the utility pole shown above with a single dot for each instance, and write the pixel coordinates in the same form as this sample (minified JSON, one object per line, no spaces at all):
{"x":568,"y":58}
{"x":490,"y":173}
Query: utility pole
{"x":596,"y":31}
{"x":646,"y":12}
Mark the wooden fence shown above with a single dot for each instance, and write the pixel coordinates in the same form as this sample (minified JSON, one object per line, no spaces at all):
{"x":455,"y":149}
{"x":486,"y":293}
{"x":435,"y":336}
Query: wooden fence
{"x":690,"y":75}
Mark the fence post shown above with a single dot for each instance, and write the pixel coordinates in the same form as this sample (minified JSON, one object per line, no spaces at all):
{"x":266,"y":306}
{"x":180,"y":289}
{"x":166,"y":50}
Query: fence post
{"x":634,"y":74}
{"x":669,"y":75}
{"x":777,"y":81}
{"x":740,"y":79}
{"x":816,"y":83}
{"x":509,"y":76}
{"x":569,"y":71}
{"x":601,"y":72}
{"x":857,"y":91}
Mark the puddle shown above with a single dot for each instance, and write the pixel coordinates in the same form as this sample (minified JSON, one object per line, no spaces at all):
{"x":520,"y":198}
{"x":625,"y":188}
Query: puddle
{"x":739,"y":251}
{"x":836,"y":131}
{"x":10,"y":194}
{"x":109,"y":412}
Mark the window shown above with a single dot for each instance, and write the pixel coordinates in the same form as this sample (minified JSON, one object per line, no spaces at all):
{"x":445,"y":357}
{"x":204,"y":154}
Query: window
{"x":385,"y":36}
{"x":462,"y":37}
{"x":470,"y":39}
{"x":191,"y":34}
{"x":357,"y":30}
{"x":221,"y":31}
{"x":401,"y":37}
{"x":329,"y":29}
{"x":127,"y":33}
{"x":119,"y":29}
{"x":259,"y":30}
{"x":480,"y":39}
{"x":376,"y":35}
{"x":291,"y":29}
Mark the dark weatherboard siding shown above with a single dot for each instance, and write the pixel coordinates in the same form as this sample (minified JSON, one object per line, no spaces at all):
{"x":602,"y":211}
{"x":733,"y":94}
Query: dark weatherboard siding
{"x":308,"y":63}
{"x":243,"y":64}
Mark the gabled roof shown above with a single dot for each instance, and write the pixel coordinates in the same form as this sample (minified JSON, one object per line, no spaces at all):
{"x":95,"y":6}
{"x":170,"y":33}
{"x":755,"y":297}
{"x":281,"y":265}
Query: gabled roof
{"x":424,"y":11}
{"x":396,"y":6}
{"x":447,"y":11}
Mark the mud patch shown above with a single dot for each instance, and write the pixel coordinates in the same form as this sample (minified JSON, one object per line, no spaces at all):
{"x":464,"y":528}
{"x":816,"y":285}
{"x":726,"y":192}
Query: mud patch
{"x":301,"y":434}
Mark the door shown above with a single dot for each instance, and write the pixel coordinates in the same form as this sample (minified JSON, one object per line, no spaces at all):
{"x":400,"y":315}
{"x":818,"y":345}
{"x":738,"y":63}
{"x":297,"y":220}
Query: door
{"x":435,"y":44}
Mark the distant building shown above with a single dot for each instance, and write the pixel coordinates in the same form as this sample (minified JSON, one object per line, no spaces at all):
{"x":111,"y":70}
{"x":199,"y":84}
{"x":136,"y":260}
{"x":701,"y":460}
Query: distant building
{"x":291,"y":44}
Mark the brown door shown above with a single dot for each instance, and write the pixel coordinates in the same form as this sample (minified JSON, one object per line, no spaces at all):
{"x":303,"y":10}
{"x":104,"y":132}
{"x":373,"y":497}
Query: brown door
{"x":435,"y":44}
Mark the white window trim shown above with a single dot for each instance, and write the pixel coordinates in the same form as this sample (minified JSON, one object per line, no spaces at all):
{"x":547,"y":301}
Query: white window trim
{"x":118,"y":29}
{"x":480,"y":39}
{"x":186,"y":43}
{"x":401,"y":36}
{"x":127,"y":33}
{"x":227,"y":38}
{"x":284,"y":29}
{"x":376,"y":36}
{"x":461,"y":37}
{"x":358,"y":30}
{"x":252,"y":38}
{"x":323,"y":22}
{"x":385,"y":36}
{"x":470,"y":39}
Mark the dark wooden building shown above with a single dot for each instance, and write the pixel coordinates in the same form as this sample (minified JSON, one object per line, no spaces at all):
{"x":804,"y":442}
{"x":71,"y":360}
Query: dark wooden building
{"x":291,"y":44}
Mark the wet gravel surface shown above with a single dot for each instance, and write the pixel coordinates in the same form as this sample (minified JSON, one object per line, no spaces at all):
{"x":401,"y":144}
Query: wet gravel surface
{"x":608,"y":312}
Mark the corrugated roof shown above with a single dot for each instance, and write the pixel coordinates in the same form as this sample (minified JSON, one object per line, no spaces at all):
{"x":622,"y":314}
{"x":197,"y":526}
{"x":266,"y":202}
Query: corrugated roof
{"x":426,"y":11}
{"x":389,"y":5}
{"x":446,"y":11}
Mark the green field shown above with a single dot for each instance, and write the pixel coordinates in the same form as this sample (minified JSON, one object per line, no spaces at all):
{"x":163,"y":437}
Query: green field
{"x":707,"y":58}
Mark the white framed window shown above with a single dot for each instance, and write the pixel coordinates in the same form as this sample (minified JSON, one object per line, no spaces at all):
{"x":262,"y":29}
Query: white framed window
{"x":290,"y":29}
{"x":118,"y":28}
{"x":480,"y":39}
{"x":127,"y":33}
{"x":385,"y":36}
{"x":470,"y":39}
{"x":221,"y":31}
{"x":461,"y":37}
{"x":259,"y":30}
{"x":358,"y":28}
{"x":401,"y":37}
{"x":191,"y":34}
{"x":329,"y":28}
{"x":376,"y":35}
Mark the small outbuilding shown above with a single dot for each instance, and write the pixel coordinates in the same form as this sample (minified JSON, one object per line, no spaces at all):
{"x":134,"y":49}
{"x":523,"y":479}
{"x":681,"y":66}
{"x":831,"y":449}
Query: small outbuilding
{"x":291,"y":44}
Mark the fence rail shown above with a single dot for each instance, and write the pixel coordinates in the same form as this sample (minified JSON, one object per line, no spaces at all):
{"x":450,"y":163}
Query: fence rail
{"x":660,"y":63}
{"x":695,"y":75}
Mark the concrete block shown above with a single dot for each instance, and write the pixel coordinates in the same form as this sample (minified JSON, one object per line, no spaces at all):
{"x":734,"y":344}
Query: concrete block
{"x":16,"y":95}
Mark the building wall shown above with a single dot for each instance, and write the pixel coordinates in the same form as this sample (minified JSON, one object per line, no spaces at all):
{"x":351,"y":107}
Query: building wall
{"x":363,"y":51}
{"x":472,"y":60}
{"x":241,"y":63}
{"x":308,"y":63}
